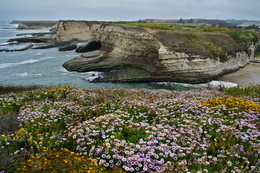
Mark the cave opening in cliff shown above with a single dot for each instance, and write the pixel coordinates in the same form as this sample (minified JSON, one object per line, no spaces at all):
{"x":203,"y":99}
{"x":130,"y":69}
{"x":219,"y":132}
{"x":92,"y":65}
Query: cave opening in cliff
{"x":91,"y":46}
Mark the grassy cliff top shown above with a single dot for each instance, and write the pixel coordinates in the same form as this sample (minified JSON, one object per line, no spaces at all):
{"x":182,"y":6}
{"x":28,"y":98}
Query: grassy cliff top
{"x":200,"y":40}
{"x":239,"y":35}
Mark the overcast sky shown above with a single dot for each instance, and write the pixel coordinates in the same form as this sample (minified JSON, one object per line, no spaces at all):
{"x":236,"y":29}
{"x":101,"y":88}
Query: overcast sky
{"x":128,"y":9}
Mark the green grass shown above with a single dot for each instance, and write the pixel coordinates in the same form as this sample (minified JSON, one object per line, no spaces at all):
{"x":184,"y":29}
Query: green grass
{"x":257,"y":52}
{"x":15,"y":89}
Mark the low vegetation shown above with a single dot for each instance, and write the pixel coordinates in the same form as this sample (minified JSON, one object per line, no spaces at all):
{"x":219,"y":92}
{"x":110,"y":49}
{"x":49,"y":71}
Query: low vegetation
{"x":64,"y":129}
{"x":15,"y":89}
{"x":249,"y":91}
{"x":257,"y":53}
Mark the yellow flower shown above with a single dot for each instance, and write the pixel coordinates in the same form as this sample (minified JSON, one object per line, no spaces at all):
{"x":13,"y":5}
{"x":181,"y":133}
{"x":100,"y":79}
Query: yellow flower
{"x":66,"y":161}
{"x":233,"y":103}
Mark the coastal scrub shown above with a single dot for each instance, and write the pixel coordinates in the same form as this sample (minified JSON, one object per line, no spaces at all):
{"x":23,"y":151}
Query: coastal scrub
{"x":132,"y":130}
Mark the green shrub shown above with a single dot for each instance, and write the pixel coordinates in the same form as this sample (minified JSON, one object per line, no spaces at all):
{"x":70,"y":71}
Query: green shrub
{"x":251,"y":91}
{"x":15,"y":89}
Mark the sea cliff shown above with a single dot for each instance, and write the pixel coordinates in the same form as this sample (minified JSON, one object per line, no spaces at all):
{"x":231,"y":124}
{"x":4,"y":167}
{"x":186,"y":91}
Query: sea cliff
{"x":35,"y":24}
{"x":130,"y":53}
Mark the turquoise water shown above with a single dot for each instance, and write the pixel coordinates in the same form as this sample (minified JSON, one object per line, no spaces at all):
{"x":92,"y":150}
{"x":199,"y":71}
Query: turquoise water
{"x":44,"y":67}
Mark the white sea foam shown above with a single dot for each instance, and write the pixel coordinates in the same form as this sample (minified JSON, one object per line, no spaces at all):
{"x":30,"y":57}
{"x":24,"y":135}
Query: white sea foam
{"x":3,"y":29}
{"x":39,"y":53}
{"x":3,"y":44}
{"x":212,"y":84}
{"x":11,"y":46}
{"x":26,"y":74}
{"x":217,"y":84}
{"x":63,"y":70}
{"x":179,"y":84}
{"x":30,"y":61}
{"x":92,"y":75}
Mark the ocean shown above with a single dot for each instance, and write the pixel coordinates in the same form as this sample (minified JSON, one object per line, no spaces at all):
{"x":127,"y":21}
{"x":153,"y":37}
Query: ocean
{"x":43,"y":67}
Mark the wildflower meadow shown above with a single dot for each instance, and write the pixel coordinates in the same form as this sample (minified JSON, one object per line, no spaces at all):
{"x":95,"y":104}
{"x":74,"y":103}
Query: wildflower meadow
{"x":64,"y":129}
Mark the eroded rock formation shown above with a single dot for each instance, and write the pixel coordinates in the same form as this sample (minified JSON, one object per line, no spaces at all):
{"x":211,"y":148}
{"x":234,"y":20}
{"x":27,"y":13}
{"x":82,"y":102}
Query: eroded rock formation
{"x":133,"y":54}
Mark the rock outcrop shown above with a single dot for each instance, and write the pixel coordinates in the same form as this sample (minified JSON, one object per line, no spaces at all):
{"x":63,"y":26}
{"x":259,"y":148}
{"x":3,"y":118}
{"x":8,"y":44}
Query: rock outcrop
{"x":15,"y":47}
{"x":36,"y":24}
{"x":121,"y":45}
{"x":30,"y":39}
{"x":132,"y":54}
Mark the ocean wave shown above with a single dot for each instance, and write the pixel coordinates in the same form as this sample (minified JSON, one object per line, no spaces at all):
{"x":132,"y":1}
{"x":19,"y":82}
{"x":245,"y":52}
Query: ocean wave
{"x":39,"y":53}
{"x":4,"y":44}
{"x":92,"y":75}
{"x":63,"y":70}
{"x":30,"y":61}
{"x":7,"y":28}
{"x":217,"y":84}
{"x":174,"y":84}
{"x":211,"y":84}
{"x":25,"y":74}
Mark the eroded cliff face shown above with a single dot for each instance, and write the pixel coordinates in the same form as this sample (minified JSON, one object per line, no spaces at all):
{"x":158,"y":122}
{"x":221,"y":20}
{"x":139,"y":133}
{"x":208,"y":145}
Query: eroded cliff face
{"x":137,"y":54}
{"x":120,"y":45}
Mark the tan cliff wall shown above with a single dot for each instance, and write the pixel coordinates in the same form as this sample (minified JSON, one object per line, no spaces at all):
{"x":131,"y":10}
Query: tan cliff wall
{"x":198,"y":68}
{"x":125,"y":45}
{"x":145,"y":48}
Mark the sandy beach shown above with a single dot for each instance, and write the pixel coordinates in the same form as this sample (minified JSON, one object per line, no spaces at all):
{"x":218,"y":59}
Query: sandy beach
{"x":248,"y":75}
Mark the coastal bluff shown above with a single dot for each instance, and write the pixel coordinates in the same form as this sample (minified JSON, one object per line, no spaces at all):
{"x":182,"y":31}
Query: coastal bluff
{"x":35,"y":24}
{"x":129,"y":53}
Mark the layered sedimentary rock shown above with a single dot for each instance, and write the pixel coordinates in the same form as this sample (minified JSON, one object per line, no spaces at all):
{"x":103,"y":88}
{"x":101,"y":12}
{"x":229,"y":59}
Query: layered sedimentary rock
{"x":121,"y":45}
{"x":132,"y":54}
{"x":36,"y":24}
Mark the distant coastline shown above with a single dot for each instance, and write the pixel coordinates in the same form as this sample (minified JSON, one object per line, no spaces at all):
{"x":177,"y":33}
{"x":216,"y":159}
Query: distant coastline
{"x":39,"y":25}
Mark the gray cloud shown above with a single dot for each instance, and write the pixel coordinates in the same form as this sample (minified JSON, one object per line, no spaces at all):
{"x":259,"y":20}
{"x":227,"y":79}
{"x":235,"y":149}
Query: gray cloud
{"x":128,"y":9}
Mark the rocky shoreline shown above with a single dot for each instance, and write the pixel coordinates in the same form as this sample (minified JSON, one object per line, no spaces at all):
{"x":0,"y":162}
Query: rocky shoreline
{"x":133,"y":54}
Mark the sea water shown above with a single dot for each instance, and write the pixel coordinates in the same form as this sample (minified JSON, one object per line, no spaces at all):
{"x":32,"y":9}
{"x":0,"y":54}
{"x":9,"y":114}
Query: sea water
{"x":43,"y":67}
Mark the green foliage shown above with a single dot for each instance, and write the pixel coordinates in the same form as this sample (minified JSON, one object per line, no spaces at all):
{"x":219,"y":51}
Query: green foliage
{"x":131,"y":134}
{"x":15,"y":89}
{"x":245,"y":37}
{"x":257,"y":52}
{"x":8,"y":123}
{"x":250,"y":91}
